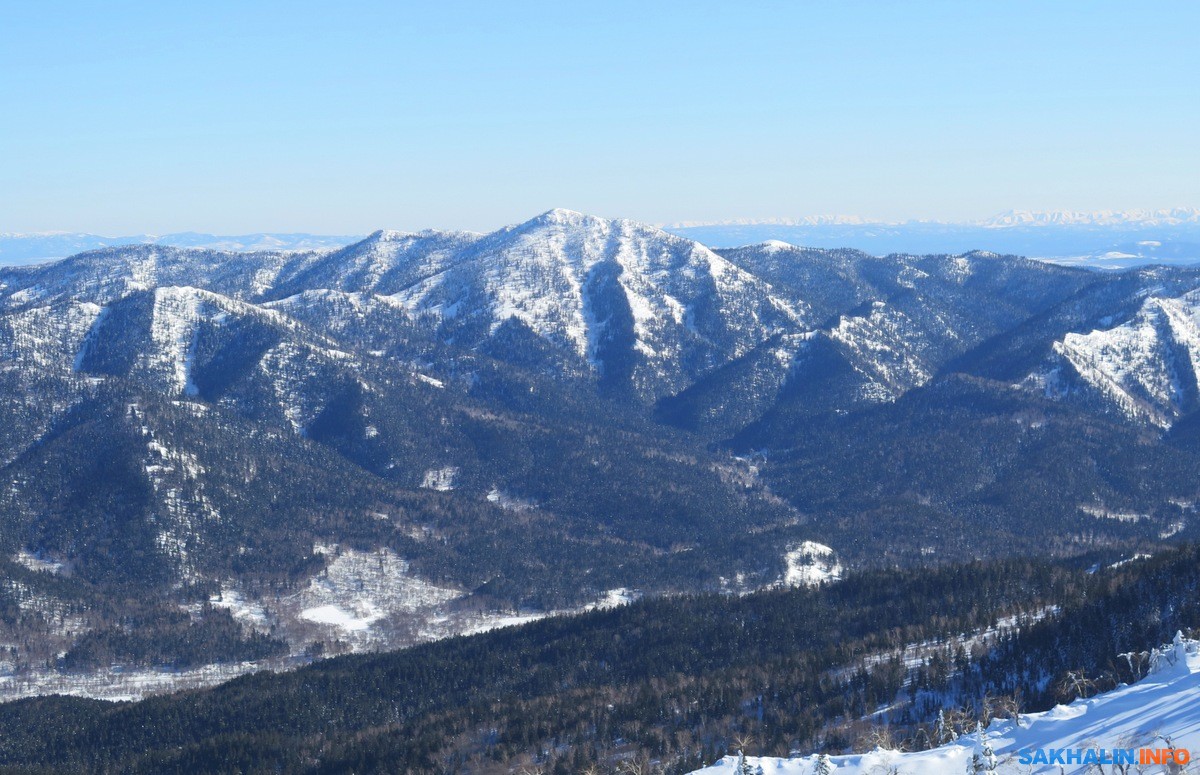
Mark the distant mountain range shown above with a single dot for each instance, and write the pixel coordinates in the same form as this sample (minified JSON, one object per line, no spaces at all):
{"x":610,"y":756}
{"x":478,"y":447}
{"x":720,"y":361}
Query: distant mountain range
{"x":1106,"y":239}
{"x":1177,"y":216}
{"x":1102,"y":239}
{"x":16,"y":249}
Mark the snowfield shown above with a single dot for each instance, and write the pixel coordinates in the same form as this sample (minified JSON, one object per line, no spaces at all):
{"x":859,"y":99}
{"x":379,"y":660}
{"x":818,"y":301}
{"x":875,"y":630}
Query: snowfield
{"x":1160,"y":711}
{"x":811,"y":564}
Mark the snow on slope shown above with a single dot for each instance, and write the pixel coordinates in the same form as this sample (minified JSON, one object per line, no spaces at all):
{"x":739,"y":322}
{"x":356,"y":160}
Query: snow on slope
{"x":173,"y":325}
{"x":119,"y":684}
{"x":561,"y":273}
{"x":383,"y":263}
{"x":177,"y":312}
{"x":1165,"y":704}
{"x":889,"y":347}
{"x":1147,"y":366}
{"x":46,"y":337}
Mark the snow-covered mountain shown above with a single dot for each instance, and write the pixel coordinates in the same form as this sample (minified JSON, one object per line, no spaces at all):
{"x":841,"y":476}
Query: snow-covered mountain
{"x":716,"y":340}
{"x":1158,"y":712}
{"x":638,"y":307}
{"x":1146,"y":367}
{"x":636,"y":304}
{"x":889,"y":324}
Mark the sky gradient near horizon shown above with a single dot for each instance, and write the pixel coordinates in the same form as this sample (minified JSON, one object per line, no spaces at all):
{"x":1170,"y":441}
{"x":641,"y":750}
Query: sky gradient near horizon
{"x":229,"y":117}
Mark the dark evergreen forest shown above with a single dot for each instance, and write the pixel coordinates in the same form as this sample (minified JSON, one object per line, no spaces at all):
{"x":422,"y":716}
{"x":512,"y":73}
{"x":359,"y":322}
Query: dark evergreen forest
{"x":670,"y":683}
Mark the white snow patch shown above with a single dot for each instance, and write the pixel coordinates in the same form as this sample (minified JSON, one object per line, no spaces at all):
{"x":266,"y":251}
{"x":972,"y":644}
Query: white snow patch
{"x":810,"y":564}
{"x":35,"y":562}
{"x":232,"y":600}
{"x":120,"y":684}
{"x":509,"y":502}
{"x":358,"y":589}
{"x":177,"y":314}
{"x":27,"y":295}
{"x":1100,"y":512}
{"x":363,"y":616}
{"x":1128,"y":560}
{"x":441,"y":479}
{"x":614,"y":598}
{"x":490,"y":623}
{"x":1172,"y":529}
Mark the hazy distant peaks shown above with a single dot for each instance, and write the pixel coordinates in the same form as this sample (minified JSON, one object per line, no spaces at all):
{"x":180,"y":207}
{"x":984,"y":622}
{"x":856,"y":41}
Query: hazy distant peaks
{"x":1167,"y":217}
{"x":1141,"y":217}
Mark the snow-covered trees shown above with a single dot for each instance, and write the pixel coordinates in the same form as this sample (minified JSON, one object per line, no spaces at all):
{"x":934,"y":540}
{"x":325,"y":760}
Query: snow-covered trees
{"x":983,"y":759}
{"x":743,"y":767}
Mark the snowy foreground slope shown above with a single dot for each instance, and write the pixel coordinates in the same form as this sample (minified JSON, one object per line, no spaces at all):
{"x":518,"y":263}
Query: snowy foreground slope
{"x":1164,"y":705}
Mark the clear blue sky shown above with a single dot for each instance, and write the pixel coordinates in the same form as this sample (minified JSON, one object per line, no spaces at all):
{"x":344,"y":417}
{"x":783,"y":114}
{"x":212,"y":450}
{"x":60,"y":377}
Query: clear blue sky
{"x":123,"y":117}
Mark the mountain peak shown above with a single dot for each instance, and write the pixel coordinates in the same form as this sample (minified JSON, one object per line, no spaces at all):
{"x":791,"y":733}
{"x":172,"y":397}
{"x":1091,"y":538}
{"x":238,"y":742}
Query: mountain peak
{"x":573,"y":220}
{"x":387,"y":235}
{"x":560,"y":215}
